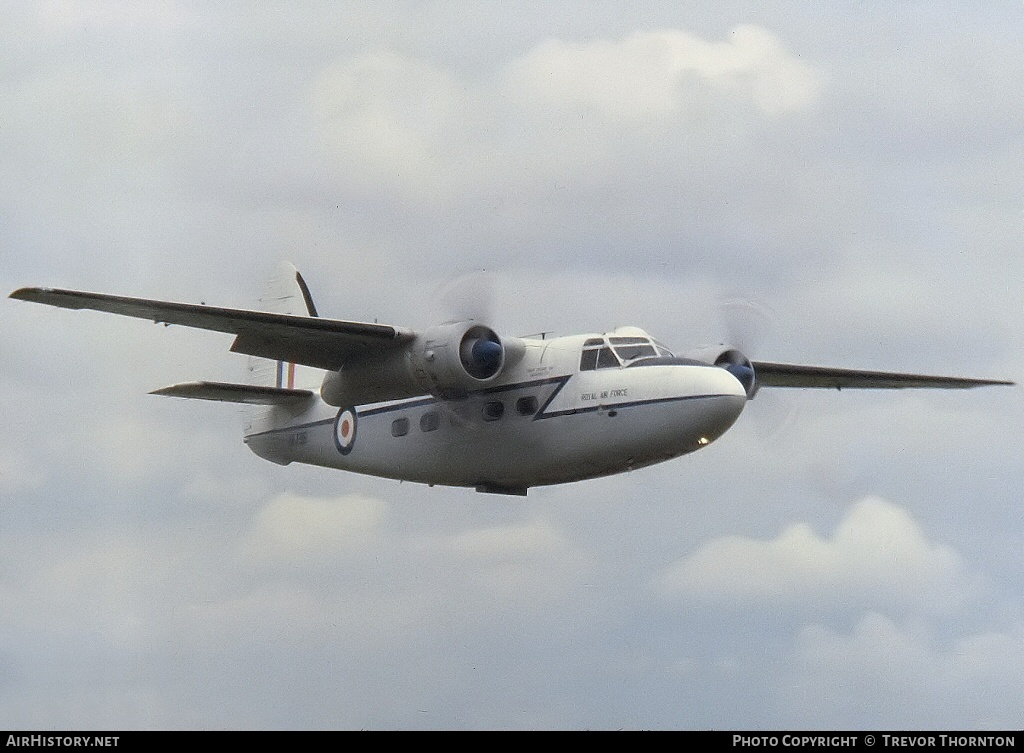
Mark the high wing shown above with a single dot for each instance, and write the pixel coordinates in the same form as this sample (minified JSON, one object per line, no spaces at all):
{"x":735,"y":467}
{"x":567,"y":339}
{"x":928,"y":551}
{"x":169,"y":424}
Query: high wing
{"x":794,"y":375}
{"x":310,"y":341}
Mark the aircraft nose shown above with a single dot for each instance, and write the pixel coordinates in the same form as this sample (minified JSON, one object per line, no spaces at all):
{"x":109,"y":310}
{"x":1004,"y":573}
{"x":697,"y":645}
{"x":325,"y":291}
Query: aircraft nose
{"x":724,"y":382}
{"x":724,"y":403}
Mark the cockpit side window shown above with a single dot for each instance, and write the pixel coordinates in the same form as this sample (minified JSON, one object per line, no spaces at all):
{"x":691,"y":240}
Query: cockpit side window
{"x":597,"y":355}
{"x":606,"y":359}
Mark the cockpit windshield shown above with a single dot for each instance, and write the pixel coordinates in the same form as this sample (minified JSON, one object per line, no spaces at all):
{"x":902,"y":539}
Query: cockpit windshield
{"x":632,"y":348}
{"x":603,"y":353}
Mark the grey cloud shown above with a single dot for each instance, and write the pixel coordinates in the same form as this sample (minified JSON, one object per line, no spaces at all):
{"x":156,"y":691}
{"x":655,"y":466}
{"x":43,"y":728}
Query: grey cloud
{"x":902,"y":673}
{"x":159,"y":575}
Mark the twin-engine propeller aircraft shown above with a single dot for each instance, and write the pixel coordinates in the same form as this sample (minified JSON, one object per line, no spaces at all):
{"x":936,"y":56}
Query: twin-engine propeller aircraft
{"x":460,"y":405}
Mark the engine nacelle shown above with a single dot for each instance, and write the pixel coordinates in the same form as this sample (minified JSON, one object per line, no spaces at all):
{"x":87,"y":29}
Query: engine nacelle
{"x":733,"y":361}
{"x":371,"y":380}
{"x":452,"y":360}
{"x":448,"y":361}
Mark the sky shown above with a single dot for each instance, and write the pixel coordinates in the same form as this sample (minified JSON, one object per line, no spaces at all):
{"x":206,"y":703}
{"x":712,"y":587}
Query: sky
{"x":850,"y":173}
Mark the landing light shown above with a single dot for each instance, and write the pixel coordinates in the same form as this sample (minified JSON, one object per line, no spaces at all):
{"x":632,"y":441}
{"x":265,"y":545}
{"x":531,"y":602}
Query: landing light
{"x":703,"y":441}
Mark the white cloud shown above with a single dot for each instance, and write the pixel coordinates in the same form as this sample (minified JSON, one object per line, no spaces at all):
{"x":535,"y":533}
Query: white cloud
{"x":667,"y":72}
{"x":877,"y":556}
{"x":291,"y":528}
{"x":509,"y":542}
{"x":517,"y":567}
{"x":394,"y":121}
{"x":422,"y":133}
{"x":886,"y":674}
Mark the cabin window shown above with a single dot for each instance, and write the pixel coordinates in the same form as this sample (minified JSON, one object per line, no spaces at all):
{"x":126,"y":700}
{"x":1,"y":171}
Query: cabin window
{"x":400,"y":427}
{"x":429,"y":421}
{"x":493,"y":410}
{"x":526,"y":406}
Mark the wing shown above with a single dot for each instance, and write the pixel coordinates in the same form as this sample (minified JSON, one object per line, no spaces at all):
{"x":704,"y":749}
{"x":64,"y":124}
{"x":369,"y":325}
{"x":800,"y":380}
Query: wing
{"x":310,"y":341}
{"x":794,"y":375}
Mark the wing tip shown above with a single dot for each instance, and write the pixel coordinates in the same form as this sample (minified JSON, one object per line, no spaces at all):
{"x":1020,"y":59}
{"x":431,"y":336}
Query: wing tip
{"x":772,"y":374}
{"x":27,"y":294}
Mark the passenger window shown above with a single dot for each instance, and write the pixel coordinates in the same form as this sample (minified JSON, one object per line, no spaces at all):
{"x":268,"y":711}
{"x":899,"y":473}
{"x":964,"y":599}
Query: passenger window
{"x":493,"y":410}
{"x":526,"y":406}
{"x":400,"y":427}
{"x":429,"y":421}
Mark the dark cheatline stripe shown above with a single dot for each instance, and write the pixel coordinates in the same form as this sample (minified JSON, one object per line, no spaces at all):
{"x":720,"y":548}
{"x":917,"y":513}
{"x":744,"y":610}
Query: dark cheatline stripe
{"x":561,"y":381}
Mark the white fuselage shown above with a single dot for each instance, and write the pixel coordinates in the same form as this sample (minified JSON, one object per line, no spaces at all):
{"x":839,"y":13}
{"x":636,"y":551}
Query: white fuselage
{"x":544,"y":421}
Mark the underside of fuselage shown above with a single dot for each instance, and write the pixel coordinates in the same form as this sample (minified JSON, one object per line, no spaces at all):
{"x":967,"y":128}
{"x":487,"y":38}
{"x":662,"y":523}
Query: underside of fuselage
{"x":508,"y":438}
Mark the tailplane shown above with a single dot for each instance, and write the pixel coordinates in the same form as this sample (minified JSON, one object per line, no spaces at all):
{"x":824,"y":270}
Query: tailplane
{"x":270,"y":383}
{"x":227,"y":392}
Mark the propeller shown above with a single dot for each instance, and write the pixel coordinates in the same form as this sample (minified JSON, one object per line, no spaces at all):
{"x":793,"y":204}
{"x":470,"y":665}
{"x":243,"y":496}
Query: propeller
{"x":469,"y":296}
{"x":749,"y":324}
{"x":481,"y":353}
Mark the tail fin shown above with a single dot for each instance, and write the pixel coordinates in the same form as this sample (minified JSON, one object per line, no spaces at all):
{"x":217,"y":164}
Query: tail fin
{"x":270,"y":383}
{"x":271,"y":396}
{"x":285,"y":293}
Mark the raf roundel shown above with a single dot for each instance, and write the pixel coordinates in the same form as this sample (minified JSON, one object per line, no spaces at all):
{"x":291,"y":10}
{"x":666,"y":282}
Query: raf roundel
{"x":345,"y":430}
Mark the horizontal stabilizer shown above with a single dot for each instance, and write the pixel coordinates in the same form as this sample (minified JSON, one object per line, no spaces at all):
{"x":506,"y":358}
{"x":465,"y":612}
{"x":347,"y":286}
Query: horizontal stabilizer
{"x":235,"y":393}
{"x":793,"y":375}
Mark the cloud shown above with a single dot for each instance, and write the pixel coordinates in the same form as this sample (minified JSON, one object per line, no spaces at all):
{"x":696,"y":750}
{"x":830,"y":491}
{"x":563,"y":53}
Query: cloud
{"x":626,"y":170}
{"x":664,"y":73}
{"x":65,"y":15}
{"x":883,"y":673}
{"x":878,"y":556}
{"x":354,"y":550}
{"x":291,"y":528}
{"x":393,"y":121}
{"x":505,"y":563}
{"x":18,"y":472}
{"x":423,"y":134}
